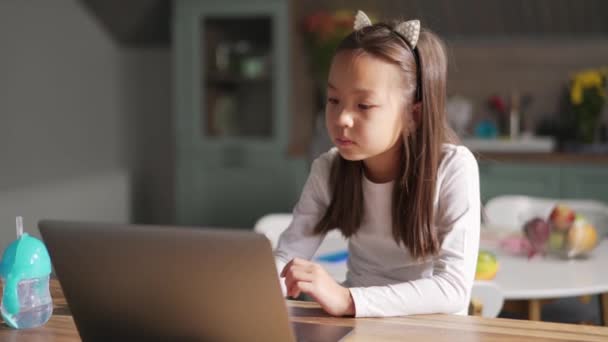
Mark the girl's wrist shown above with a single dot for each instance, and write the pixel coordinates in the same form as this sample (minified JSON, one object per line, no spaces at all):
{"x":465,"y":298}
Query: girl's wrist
{"x":350,"y":303}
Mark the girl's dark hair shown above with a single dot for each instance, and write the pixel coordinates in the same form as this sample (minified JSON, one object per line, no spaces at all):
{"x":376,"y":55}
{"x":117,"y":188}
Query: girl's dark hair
{"x":424,"y":79}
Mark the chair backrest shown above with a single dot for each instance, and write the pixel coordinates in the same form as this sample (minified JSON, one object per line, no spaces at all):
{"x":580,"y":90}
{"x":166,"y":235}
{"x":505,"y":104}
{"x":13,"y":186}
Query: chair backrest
{"x":489,"y":295}
{"x":512,"y":211}
{"x":272,"y":225}
{"x":332,"y":253}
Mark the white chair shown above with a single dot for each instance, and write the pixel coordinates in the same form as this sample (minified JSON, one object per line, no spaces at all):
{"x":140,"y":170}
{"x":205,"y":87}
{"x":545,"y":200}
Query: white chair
{"x":331,"y":253}
{"x":489,"y":296}
{"x":272,"y":225}
{"x":512,"y":211}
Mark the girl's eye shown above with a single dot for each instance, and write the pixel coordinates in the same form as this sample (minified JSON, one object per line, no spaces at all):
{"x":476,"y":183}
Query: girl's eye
{"x":332,"y":100}
{"x":364,"y":106}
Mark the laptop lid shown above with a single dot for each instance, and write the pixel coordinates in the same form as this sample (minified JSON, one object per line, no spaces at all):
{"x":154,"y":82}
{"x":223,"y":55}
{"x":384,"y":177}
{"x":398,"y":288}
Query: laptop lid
{"x":167,"y":283}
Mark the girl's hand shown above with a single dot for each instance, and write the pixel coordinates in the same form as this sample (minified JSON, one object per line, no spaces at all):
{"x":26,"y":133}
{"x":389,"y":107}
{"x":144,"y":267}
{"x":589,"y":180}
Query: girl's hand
{"x":311,"y":278}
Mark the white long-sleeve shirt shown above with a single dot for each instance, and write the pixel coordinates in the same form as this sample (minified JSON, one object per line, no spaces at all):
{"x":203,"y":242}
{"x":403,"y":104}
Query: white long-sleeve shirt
{"x":383,"y":279}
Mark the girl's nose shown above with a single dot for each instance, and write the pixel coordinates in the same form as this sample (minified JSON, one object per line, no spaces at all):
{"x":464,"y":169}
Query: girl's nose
{"x":345,"y":119}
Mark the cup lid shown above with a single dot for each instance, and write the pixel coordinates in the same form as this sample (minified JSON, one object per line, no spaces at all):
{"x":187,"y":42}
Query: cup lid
{"x":25,"y":258}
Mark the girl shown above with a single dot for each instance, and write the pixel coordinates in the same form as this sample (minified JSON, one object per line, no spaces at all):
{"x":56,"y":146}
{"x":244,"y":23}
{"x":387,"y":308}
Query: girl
{"x":395,"y":185}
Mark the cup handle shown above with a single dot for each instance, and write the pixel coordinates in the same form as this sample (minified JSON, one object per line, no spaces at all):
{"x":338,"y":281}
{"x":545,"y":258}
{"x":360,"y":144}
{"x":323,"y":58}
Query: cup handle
{"x":10,"y":297}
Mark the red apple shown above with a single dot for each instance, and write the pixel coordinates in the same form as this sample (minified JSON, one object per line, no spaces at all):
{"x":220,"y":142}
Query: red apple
{"x":537,"y":231}
{"x":562,"y":217}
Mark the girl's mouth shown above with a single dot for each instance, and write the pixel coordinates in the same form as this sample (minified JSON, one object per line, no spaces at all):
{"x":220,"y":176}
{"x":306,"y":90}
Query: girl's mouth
{"x":343,"y":142}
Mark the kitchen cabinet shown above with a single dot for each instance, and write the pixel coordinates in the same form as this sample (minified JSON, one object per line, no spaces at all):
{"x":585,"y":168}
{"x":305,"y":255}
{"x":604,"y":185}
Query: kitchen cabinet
{"x":549,"y":179}
{"x":231,"y":95}
{"x":499,"y":178}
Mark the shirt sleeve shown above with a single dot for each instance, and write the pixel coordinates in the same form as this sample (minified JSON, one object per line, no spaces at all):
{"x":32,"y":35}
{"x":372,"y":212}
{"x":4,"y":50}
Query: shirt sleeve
{"x":448,"y":289}
{"x":299,"y":240}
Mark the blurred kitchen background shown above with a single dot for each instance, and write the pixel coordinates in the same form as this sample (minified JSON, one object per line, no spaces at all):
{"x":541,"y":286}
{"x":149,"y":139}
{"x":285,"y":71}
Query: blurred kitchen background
{"x":209,"y":112}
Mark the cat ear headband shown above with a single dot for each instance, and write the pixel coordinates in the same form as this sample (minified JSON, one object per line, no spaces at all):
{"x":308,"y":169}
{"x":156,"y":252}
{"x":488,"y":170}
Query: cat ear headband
{"x":409,"y":30}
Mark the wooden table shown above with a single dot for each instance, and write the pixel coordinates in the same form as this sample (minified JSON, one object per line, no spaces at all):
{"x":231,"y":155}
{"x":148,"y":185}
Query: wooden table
{"x":414,"y":328}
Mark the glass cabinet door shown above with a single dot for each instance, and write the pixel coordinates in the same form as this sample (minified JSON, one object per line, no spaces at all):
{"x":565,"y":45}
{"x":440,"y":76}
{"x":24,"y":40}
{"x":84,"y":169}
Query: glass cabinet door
{"x":231,"y":95}
{"x":236,"y":76}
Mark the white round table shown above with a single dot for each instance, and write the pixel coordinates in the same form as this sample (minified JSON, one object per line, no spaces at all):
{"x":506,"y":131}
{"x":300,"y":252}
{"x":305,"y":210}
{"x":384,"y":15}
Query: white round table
{"x":549,"y":277}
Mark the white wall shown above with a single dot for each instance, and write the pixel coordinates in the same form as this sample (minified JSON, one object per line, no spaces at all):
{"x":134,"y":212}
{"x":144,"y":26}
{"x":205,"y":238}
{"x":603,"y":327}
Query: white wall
{"x":147,"y":79}
{"x":61,"y":96}
{"x":79,"y":116}
{"x":479,"y":69}
{"x":100,"y":197}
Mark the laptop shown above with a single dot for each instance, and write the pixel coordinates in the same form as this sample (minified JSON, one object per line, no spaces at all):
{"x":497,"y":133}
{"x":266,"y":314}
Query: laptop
{"x":139,"y":282}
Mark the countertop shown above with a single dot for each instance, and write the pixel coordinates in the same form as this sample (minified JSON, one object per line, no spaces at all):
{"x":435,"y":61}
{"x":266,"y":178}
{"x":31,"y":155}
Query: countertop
{"x":543,"y":157}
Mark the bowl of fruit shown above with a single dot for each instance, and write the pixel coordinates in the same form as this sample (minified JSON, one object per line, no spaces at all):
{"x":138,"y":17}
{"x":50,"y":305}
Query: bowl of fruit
{"x":564,"y":233}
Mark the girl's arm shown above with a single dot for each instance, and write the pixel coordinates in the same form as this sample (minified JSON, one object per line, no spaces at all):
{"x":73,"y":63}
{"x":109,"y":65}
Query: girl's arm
{"x":299,"y":241}
{"x":448,"y":290}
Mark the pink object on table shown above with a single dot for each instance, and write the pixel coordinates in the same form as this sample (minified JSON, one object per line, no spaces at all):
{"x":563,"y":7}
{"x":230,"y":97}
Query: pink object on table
{"x":516,"y":245}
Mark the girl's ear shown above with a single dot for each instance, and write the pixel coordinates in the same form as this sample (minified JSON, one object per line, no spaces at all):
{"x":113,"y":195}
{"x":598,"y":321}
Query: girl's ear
{"x":413,"y":118}
{"x":417,"y":112}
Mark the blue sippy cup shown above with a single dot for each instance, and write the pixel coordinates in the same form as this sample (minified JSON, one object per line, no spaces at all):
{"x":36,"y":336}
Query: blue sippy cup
{"x":25,"y":271}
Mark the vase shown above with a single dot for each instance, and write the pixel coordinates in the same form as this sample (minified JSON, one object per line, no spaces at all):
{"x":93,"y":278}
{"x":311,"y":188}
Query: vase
{"x":588,"y":129}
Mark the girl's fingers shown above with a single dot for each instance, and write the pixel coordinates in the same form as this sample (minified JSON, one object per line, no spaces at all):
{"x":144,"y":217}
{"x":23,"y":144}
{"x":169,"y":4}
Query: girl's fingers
{"x":300,"y":268}
{"x":304,"y":286}
{"x":292,"y":262}
{"x":298,"y":287}
{"x":287,"y":266}
{"x":289,"y":284}
{"x":293,"y":266}
{"x":300,"y":261}
{"x":291,"y":280}
{"x":293,"y":290}
{"x":298,"y":275}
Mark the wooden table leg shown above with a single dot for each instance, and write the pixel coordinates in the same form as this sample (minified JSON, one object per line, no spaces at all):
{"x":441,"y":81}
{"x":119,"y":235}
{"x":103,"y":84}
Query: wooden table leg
{"x":534,"y":309}
{"x":604,"y":308}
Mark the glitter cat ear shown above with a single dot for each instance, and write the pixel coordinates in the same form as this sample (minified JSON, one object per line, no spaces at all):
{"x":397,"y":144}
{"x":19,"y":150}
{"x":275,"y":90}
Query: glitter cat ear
{"x":361,"y":21}
{"x":410,"y":30}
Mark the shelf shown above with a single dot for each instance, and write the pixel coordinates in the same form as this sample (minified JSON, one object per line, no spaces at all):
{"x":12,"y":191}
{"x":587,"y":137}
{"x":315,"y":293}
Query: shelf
{"x":543,"y":158}
{"x":523,"y":145}
{"x":233,"y":79}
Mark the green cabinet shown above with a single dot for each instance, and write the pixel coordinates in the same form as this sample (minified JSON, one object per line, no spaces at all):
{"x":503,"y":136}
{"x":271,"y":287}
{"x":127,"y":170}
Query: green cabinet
{"x":231,"y":96}
{"x":498,"y":178}
{"x":551,"y":180}
{"x":585,"y":181}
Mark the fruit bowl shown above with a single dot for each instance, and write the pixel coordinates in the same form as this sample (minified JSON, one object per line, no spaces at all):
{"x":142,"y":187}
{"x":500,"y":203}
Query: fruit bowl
{"x":565,"y":233}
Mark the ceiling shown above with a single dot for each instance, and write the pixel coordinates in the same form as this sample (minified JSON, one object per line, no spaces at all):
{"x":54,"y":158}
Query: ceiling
{"x":135,"y":23}
{"x":145,"y":23}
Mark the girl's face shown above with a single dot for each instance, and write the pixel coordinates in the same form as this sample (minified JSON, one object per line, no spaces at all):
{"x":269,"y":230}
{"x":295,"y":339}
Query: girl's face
{"x":365,"y":111}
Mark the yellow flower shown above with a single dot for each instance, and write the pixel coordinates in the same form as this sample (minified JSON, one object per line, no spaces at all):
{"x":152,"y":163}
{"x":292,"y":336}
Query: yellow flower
{"x":589,"y":78}
{"x":576,"y":93}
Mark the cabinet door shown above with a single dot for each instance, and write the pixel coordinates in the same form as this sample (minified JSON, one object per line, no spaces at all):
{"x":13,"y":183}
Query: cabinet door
{"x":232,"y":87}
{"x":498,"y":178}
{"x":585,"y":182}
